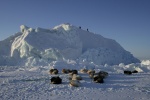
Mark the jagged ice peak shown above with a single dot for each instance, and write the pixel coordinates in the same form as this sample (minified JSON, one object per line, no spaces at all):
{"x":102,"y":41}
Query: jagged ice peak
{"x":42,"y":46}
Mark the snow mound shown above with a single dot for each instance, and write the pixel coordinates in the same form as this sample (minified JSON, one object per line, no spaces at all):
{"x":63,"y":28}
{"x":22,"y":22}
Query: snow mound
{"x":35,"y":47}
{"x":145,"y":62}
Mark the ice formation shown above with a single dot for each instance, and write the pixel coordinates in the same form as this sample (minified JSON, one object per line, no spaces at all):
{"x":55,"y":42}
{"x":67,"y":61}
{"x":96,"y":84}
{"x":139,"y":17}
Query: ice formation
{"x":40,"y":46}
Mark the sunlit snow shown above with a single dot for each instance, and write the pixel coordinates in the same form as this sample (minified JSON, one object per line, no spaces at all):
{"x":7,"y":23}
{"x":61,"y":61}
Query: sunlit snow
{"x":33,"y":83}
{"x":34,"y":47}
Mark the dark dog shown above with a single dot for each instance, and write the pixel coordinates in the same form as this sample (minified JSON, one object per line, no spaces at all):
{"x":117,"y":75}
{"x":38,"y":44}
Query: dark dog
{"x":127,"y":72}
{"x":135,"y":71}
{"x":98,"y":79}
{"x":103,"y":74}
{"x":73,"y":72}
{"x":56,"y":80}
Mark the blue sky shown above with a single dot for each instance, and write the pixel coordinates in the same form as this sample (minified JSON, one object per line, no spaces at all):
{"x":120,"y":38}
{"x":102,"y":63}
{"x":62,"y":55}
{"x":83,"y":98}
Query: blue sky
{"x":126,"y":21}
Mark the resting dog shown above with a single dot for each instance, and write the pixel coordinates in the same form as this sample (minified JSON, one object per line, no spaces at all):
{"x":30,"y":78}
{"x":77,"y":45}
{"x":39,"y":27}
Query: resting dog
{"x":56,"y":80}
{"x":53,"y":71}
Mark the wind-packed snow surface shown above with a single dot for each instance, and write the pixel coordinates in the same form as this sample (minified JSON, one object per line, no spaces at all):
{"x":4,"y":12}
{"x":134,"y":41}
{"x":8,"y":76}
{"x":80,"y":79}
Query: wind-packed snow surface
{"x":32,"y":47}
{"x":33,"y":83}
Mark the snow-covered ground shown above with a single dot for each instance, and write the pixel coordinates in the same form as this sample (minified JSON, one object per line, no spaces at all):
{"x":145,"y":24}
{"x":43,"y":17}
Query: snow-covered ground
{"x":33,"y":83}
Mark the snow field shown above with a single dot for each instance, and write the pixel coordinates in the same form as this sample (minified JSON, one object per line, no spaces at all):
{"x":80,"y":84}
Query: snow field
{"x":33,"y":83}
